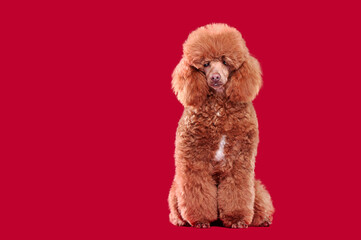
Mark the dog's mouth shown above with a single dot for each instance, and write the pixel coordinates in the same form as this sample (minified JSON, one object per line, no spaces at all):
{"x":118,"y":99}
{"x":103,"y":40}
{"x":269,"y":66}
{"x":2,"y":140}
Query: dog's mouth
{"x":219,"y":87}
{"x":216,"y":85}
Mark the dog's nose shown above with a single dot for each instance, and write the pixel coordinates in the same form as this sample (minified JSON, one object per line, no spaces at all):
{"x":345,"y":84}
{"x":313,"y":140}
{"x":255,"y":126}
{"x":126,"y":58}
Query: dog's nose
{"x":216,"y":77}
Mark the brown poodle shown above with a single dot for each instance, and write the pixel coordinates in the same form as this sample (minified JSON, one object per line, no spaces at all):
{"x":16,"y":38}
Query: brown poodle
{"x":217,"y":135}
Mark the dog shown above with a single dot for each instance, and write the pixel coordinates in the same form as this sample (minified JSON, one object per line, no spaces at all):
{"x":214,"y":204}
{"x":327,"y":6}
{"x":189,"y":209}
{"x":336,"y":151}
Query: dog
{"x":217,"y":135}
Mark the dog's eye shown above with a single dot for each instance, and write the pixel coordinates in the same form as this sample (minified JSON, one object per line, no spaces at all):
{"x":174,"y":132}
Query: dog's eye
{"x":206,"y":64}
{"x":224,"y":62}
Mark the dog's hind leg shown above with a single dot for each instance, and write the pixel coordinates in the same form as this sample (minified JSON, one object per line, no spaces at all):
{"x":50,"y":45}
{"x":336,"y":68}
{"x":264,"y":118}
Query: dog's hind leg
{"x":263,"y":207}
{"x":174,"y":216}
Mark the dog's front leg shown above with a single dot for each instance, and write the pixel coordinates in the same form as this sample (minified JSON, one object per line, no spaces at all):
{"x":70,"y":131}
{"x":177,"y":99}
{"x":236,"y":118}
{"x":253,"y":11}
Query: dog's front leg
{"x":236,"y":195}
{"x":197,"y":197}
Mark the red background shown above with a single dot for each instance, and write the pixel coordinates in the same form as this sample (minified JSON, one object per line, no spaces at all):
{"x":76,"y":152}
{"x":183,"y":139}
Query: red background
{"x":89,"y":118}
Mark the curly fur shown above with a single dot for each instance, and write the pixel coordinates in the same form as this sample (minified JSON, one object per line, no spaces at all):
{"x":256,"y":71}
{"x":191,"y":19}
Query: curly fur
{"x":204,"y":188}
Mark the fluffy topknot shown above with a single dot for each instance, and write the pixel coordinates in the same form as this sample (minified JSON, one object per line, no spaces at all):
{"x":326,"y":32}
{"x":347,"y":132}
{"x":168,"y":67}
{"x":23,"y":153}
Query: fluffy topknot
{"x":215,"y":41}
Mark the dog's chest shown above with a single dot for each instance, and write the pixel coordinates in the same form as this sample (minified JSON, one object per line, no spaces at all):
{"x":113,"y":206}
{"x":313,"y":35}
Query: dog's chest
{"x":219,"y":156}
{"x":220,"y":123}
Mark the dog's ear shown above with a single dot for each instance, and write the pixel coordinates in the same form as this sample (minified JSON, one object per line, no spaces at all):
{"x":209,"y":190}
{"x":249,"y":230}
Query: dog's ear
{"x":189,"y":84}
{"x":245,"y":82}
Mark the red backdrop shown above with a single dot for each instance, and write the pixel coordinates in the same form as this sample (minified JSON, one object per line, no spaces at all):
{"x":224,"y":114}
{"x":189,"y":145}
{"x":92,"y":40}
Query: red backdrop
{"x":89,"y":118}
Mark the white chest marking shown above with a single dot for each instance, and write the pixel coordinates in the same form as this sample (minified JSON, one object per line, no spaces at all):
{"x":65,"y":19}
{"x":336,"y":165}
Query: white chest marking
{"x":220,"y":152}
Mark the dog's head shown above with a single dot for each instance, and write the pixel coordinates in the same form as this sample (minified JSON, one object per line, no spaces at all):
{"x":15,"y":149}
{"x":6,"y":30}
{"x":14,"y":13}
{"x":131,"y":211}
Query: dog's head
{"x":215,"y":58}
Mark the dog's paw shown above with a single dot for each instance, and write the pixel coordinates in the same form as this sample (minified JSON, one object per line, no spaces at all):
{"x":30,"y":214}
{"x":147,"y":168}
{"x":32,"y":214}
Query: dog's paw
{"x":175,"y":220}
{"x":260,"y":221}
{"x":266,"y":223}
{"x":239,"y":224}
{"x":202,"y":225}
{"x":181,"y":223}
{"x":235,"y":221}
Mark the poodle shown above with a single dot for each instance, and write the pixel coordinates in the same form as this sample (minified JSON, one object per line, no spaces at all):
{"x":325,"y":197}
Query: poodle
{"x":217,"y":135}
